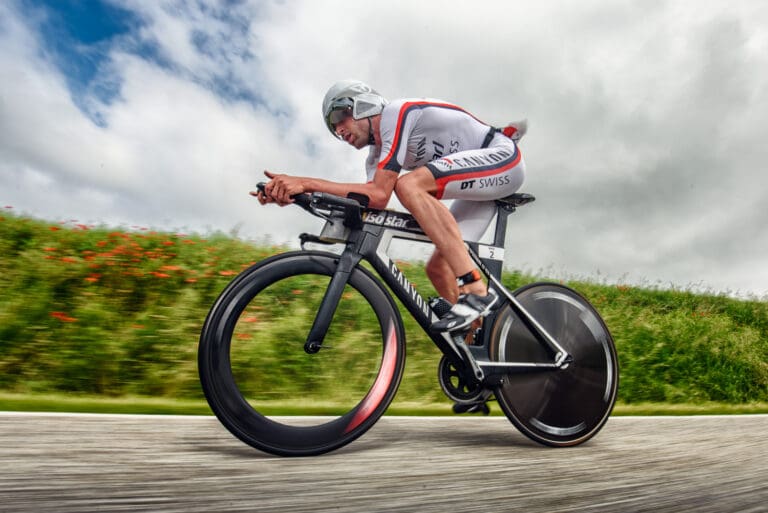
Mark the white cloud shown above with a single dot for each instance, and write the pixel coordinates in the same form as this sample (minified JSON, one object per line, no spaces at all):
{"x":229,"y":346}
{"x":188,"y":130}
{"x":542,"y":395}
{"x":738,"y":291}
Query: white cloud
{"x":645,"y":149}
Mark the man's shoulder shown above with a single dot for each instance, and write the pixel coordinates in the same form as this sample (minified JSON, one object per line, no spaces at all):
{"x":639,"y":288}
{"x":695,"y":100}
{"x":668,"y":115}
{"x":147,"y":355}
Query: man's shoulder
{"x":395,"y":105}
{"x":400,"y":103}
{"x":397,"y":111}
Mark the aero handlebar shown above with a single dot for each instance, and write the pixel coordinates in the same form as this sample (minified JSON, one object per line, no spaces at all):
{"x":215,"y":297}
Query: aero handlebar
{"x":319,"y":200}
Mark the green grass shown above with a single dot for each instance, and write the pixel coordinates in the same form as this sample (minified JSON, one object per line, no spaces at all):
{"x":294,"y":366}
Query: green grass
{"x":166,"y":406}
{"x":113,"y":315}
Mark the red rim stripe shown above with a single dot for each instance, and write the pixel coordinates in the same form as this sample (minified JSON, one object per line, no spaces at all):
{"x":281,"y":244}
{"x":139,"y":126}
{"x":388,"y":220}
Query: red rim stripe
{"x":381,"y":385}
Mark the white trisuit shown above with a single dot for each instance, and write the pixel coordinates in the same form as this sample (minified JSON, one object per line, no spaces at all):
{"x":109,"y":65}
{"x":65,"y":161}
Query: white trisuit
{"x":472,"y":162}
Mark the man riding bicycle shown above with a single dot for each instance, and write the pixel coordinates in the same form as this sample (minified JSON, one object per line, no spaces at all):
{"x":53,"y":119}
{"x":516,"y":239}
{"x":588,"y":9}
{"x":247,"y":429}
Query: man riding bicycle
{"x":450,"y":155}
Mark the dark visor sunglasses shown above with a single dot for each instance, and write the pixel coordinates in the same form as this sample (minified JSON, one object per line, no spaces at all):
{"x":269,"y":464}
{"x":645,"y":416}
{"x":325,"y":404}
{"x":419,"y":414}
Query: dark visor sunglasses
{"x":341,"y":109}
{"x":338,"y":115}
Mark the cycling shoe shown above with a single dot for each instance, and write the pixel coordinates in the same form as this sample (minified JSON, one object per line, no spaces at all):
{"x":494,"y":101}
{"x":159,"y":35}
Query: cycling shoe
{"x":472,"y":408}
{"x":468,"y":308}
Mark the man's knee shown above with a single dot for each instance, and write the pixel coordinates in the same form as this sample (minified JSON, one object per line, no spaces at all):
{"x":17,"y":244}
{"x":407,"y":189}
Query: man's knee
{"x":415,"y":182}
{"x":401,"y":185}
{"x":405,"y":188}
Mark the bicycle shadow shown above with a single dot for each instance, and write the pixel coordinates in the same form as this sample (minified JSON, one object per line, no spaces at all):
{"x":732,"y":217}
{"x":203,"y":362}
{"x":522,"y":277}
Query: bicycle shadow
{"x":391,"y":432}
{"x":474,"y":435}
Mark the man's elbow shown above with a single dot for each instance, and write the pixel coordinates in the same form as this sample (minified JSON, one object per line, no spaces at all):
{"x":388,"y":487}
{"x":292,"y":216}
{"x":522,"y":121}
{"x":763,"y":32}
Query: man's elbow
{"x":378,"y":201}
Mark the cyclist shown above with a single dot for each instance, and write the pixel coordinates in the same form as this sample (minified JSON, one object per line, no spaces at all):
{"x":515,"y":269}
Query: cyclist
{"x":450,"y":155}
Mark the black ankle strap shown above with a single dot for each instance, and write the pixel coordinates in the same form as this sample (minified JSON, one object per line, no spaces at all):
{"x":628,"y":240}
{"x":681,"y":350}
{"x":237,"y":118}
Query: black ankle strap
{"x":471,"y":277}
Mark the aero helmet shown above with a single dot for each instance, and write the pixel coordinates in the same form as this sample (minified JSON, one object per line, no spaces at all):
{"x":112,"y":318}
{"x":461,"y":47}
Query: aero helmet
{"x":360,"y":99}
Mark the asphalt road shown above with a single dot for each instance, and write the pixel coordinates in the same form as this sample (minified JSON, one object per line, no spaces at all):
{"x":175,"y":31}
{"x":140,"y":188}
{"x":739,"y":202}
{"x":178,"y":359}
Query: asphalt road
{"x":84,"y":463}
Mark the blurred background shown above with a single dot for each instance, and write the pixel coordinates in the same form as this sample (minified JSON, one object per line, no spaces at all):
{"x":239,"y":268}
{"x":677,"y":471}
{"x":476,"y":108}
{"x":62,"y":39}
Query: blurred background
{"x":645,"y":147}
{"x":132,"y":130}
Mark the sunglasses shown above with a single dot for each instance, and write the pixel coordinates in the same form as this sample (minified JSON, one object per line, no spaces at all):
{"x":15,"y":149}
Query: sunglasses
{"x":338,"y":115}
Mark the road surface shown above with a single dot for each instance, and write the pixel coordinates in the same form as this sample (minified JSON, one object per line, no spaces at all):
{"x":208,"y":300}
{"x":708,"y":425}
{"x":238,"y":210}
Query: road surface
{"x":85,"y":463}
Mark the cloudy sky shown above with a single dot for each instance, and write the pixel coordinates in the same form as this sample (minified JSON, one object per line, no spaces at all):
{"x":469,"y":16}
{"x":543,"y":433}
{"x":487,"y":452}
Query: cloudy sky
{"x":648,"y":119}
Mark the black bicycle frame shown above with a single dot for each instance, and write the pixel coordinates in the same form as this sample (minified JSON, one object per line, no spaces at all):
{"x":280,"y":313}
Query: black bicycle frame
{"x":368,"y":235}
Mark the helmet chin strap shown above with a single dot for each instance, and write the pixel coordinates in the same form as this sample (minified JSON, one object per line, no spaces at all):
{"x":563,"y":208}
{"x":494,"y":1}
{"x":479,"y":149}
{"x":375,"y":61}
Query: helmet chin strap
{"x":371,"y":138}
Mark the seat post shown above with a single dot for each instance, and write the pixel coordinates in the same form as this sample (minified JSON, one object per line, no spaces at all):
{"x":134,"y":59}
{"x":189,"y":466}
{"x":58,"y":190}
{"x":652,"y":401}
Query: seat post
{"x":500,"y":231}
{"x":504,"y":207}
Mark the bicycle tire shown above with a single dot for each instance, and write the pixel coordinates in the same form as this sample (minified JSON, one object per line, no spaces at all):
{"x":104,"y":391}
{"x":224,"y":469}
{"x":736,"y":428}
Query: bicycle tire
{"x":563,"y":407}
{"x":244,"y":321}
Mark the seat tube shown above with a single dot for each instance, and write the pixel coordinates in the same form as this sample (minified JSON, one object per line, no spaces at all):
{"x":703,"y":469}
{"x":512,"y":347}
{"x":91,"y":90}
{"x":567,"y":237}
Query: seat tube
{"x":347,"y":262}
{"x":495,"y":267}
{"x":500,"y":230}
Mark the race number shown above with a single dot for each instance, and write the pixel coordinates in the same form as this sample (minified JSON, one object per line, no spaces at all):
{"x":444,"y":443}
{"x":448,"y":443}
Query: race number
{"x":491,"y":252}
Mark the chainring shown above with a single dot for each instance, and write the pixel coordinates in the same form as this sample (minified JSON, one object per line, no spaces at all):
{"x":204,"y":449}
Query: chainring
{"x":460,"y":388}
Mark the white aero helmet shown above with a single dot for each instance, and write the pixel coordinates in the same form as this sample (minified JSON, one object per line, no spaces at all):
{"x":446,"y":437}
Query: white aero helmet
{"x":352,"y":96}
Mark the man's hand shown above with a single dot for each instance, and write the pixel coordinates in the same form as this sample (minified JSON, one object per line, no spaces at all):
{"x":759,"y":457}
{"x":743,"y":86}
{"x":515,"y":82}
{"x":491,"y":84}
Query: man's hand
{"x":279,"y":189}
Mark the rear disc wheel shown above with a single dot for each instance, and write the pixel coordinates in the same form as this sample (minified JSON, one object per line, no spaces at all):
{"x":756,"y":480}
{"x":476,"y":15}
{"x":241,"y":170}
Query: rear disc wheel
{"x":561,"y":407}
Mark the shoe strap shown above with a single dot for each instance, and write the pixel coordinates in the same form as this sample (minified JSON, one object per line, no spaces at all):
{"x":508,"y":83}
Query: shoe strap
{"x":463,"y":310}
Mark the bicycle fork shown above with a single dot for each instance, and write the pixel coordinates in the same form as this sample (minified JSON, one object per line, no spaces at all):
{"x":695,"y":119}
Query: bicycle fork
{"x":347,"y":262}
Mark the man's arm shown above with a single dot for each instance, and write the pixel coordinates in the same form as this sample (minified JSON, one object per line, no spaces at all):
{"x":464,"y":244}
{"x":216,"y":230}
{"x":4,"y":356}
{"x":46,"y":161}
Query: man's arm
{"x":281,"y":187}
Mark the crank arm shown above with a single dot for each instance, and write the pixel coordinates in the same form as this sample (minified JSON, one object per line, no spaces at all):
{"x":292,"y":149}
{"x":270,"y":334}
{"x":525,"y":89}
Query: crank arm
{"x":464,"y":353}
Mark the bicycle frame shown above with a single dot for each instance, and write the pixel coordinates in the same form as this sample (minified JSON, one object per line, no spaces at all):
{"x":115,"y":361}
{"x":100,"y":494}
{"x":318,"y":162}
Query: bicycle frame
{"x":368,"y":233}
{"x":552,"y":397}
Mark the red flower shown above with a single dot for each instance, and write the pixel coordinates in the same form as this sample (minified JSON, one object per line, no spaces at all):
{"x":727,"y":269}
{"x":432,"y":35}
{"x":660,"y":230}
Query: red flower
{"x":62,"y":317}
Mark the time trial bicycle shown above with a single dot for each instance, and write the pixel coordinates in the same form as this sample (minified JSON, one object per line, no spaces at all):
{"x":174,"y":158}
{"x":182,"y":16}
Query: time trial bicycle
{"x":311,"y":316}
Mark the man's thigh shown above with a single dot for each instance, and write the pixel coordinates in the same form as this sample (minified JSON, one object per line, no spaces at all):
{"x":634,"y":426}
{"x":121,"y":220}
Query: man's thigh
{"x":479,"y":175}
